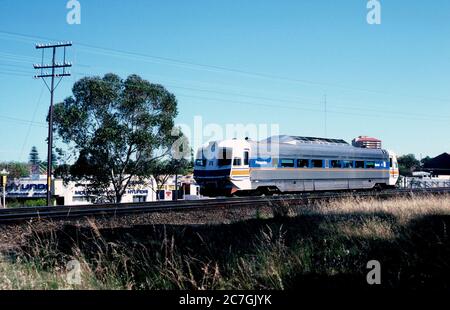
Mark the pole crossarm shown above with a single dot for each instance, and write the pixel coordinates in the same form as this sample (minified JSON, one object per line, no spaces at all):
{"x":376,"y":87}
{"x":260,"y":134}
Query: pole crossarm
{"x":43,"y":46}
{"x":50,"y":75}
{"x":57,"y":65}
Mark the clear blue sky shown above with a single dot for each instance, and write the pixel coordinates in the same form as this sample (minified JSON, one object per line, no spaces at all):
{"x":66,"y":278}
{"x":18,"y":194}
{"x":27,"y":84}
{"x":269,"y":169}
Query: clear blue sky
{"x":390,"y":81}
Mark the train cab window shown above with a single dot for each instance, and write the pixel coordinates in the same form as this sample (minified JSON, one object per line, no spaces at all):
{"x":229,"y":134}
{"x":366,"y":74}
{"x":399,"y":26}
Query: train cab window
{"x":200,"y":162}
{"x":224,"y":157}
{"x":201,"y":159}
{"x":335,"y":164}
{"x":316,"y":163}
{"x":359,"y":164}
{"x":390,"y":162}
{"x":370,"y":164}
{"x":237,"y":162}
{"x":302,"y":163}
{"x":347,"y":163}
{"x":246,"y":158}
{"x":287,"y":163}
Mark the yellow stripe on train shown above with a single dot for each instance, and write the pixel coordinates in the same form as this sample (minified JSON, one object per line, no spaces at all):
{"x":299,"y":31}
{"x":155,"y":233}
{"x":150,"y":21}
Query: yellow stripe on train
{"x":240,"y":173}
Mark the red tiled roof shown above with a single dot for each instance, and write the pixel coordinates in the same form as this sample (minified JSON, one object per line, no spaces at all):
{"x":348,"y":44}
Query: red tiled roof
{"x":367,"y":139}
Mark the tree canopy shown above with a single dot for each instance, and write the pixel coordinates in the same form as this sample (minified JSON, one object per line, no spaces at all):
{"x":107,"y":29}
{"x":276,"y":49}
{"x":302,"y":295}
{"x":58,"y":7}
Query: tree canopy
{"x":162,"y":169}
{"x":16,"y":169}
{"x":118,"y":130}
{"x":425,"y":160}
{"x":407,"y":164}
{"x":33,"y":158}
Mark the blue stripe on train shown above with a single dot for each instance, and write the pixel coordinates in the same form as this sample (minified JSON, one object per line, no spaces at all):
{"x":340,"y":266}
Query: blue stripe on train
{"x":212,"y":173}
{"x":260,"y":162}
{"x":267,"y":162}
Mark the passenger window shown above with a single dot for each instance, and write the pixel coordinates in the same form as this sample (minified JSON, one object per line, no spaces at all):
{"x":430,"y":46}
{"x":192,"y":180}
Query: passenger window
{"x":287,"y":163}
{"x":246,"y":158}
{"x":237,"y":162}
{"x":335,"y":164}
{"x":370,"y":164}
{"x":302,"y":163}
{"x":359,"y":164}
{"x":348,"y":164}
{"x":317,"y":163}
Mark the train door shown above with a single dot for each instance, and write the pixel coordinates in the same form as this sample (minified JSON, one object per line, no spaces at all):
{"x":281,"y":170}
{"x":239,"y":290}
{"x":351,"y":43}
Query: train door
{"x":247,"y":158}
{"x":240,"y":175}
{"x":246,"y":168}
{"x":393,"y":169}
{"x":241,"y":164}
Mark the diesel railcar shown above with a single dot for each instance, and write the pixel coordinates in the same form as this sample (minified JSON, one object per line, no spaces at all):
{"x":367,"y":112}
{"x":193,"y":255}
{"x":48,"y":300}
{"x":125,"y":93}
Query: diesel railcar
{"x":287,"y":164}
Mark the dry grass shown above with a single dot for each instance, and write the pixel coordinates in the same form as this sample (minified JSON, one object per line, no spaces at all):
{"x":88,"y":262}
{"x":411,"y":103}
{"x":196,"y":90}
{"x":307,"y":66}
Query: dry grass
{"x":324,"y":246}
{"x":404,"y":209}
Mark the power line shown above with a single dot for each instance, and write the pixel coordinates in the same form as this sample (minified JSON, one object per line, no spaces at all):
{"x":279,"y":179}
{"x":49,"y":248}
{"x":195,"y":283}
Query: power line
{"x":402,"y":114}
{"x":21,"y":70}
{"x":351,"y":107}
{"x":325,"y":112}
{"x":9,"y":73}
{"x":32,"y":119}
{"x":174,"y":61}
{"x":387,"y":115}
{"x":297,"y":102}
{"x":303,"y":103}
{"x":18,"y":56}
{"x":22,"y":121}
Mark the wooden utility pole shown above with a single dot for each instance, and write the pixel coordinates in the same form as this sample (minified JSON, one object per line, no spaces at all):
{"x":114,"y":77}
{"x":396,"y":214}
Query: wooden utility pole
{"x":54,"y":66}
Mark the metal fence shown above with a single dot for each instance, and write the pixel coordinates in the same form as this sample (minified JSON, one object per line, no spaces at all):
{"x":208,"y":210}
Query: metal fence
{"x":411,"y":182}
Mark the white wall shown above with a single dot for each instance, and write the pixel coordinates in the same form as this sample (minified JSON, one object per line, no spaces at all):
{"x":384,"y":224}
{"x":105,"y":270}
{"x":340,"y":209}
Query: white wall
{"x":75,"y":194}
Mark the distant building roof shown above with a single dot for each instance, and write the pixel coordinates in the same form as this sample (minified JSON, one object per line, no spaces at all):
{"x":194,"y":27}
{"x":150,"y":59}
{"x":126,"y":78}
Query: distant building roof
{"x":439,"y":165}
{"x":365,"y":138}
{"x":367,"y":142}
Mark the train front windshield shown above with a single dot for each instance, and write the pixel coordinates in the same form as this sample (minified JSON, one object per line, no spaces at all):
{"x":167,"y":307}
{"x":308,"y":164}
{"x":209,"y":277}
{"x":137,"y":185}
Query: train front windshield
{"x":225,"y":155}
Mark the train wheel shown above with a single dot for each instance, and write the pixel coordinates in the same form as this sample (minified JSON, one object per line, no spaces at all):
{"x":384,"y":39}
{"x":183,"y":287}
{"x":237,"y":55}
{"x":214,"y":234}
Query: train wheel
{"x":378,"y":187}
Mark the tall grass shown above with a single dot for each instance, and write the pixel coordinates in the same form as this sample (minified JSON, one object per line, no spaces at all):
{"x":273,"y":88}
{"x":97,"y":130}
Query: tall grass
{"x":328,"y":245}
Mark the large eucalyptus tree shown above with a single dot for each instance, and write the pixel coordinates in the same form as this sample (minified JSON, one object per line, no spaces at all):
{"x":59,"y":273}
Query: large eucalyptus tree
{"x":118,"y":129}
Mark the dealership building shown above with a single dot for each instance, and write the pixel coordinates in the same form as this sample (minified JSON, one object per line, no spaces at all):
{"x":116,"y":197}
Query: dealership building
{"x":73,"y":193}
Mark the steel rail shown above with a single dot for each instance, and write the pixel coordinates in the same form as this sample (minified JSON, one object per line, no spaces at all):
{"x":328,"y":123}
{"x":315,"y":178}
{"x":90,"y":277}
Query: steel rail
{"x":70,"y":212}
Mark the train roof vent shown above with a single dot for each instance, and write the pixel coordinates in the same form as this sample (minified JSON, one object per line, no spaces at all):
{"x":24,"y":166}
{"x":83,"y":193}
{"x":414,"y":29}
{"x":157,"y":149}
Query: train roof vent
{"x":319,"y":140}
{"x":306,"y":140}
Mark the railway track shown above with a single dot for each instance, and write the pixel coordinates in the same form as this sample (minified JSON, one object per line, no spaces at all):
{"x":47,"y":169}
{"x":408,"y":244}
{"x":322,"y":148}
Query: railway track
{"x":108,"y":210}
